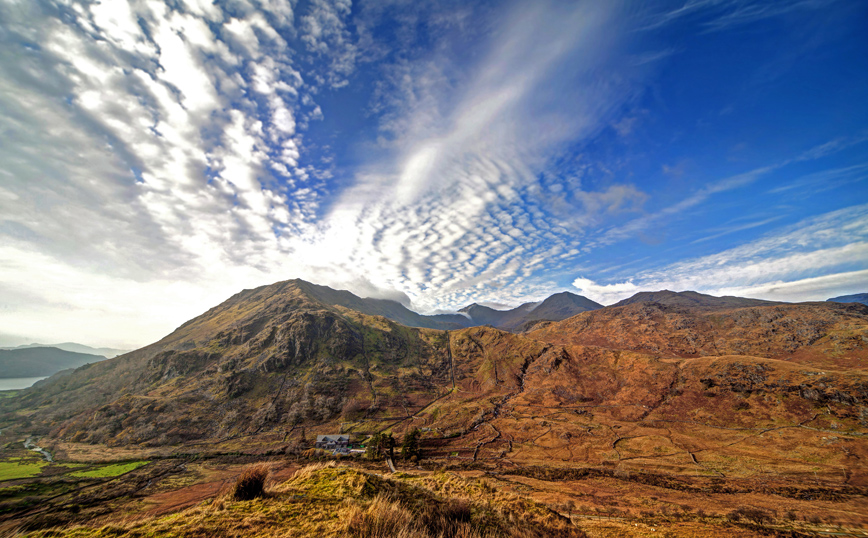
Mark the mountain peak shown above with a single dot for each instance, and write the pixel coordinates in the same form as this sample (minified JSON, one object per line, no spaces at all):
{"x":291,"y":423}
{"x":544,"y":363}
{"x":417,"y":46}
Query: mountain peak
{"x":692,"y":299}
{"x":556,"y":307}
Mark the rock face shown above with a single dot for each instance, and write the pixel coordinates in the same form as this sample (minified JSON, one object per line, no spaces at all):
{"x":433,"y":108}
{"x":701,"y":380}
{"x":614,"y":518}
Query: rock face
{"x":810,"y":331}
{"x":265,"y":357}
{"x":687,"y":387}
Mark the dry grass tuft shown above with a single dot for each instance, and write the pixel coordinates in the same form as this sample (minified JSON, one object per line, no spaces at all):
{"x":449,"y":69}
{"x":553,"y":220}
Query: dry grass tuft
{"x":382,"y":518}
{"x":250,"y":484}
{"x":306,"y":472}
{"x":386,"y":517}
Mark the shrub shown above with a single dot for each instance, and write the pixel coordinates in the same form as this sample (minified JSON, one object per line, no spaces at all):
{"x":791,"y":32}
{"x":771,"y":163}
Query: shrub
{"x":755,"y":515}
{"x":250,"y":484}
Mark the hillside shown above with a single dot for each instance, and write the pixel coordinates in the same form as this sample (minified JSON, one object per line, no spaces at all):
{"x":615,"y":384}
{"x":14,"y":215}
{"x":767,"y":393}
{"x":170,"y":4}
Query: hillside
{"x":692,"y":299}
{"x":856,"y":298}
{"x":813,"y":333}
{"x":275,"y":360}
{"x":264,"y":359}
{"x":393,"y":310}
{"x":768,"y":402}
{"x":41,"y":361}
{"x":557,"y":307}
{"x":329,"y":500}
{"x":106,"y":352}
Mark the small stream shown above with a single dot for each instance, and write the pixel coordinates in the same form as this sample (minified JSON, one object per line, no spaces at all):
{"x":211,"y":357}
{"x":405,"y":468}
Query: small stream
{"x":28,"y":444}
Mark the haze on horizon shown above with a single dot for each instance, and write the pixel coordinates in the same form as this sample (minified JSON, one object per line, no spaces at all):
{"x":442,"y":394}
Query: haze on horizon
{"x":158,"y":157}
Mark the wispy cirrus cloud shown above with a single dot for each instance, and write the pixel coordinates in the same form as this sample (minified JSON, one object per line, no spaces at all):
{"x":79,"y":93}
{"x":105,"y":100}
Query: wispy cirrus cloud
{"x":817,"y":181}
{"x":812,"y":260}
{"x":455,"y":207}
{"x":719,"y":15}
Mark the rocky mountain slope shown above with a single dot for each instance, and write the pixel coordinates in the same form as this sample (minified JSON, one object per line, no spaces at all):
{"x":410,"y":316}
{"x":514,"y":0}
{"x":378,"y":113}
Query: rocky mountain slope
{"x":708,"y":389}
{"x":41,"y":361}
{"x":681,"y":326}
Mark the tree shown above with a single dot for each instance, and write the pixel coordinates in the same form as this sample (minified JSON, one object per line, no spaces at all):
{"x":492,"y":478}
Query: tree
{"x":378,"y":445}
{"x":410,"y":445}
{"x":389,"y":444}
{"x":372,"y":446}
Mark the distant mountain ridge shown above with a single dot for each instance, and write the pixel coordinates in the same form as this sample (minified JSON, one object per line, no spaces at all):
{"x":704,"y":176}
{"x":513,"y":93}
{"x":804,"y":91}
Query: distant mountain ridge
{"x":387,"y":308}
{"x":106,"y":352}
{"x":692,"y":299}
{"x":855,"y":298}
{"x":41,"y":361}
{"x":558,"y":307}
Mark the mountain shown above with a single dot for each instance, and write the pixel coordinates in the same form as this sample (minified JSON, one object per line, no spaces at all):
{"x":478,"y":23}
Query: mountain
{"x":692,"y":299}
{"x":272,"y":356}
{"x":557,"y":307}
{"x":857,"y":298}
{"x":41,"y":361}
{"x":820,"y":334}
{"x":106,"y":352}
{"x":686,"y":389}
{"x":379,"y":307}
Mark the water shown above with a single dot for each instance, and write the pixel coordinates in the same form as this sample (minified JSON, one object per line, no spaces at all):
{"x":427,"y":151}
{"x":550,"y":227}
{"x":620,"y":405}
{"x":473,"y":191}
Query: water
{"x":28,"y":444}
{"x":18,"y":383}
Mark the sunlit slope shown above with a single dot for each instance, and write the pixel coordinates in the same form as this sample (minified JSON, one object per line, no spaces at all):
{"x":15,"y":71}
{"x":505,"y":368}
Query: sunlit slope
{"x":334,"y":500}
{"x":266,"y":357}
{"x":708,"y":391}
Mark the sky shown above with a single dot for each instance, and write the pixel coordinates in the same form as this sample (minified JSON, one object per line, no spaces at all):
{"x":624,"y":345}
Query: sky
{"x":157,"y":157}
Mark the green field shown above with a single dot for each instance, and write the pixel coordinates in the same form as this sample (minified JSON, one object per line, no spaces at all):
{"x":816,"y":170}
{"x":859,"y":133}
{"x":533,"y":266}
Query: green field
{"x":107,"y":471}
{"x":9,"y":393}
{"x":16,"y":468}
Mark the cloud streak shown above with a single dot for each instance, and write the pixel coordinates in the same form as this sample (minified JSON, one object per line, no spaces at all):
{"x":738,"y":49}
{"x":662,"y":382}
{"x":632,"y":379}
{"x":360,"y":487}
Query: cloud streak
{"x":811,"y":260}
{"x":462,"y":204}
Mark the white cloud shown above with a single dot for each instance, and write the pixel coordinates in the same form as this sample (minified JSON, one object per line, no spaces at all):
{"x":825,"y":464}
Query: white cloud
{"x":723,"y":14}
{"x":605,"y":293}
{"x":117,"y":173}
{"x":324,"y":31}
{"x":813,"y":260}
{"x":455,"y":205}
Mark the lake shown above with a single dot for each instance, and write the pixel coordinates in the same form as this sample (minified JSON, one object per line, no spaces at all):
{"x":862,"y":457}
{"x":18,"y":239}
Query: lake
{"x":16,"y":383}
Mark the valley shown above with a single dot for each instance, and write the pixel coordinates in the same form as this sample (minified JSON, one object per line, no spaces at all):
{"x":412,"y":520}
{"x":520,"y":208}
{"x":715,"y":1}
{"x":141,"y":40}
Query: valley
{"x":676,"y":413}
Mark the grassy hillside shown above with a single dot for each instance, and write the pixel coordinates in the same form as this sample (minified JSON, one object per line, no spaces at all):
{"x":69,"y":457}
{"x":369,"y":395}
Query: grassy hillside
{"x":626,"y":410}
{"x":330,"y":500}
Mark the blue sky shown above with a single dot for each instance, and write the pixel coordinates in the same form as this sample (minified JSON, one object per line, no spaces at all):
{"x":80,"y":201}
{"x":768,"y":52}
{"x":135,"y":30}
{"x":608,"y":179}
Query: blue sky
{"x":157,"y":157}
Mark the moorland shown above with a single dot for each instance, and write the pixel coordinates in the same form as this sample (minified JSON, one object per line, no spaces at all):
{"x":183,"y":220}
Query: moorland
{"x":676,"y":414}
